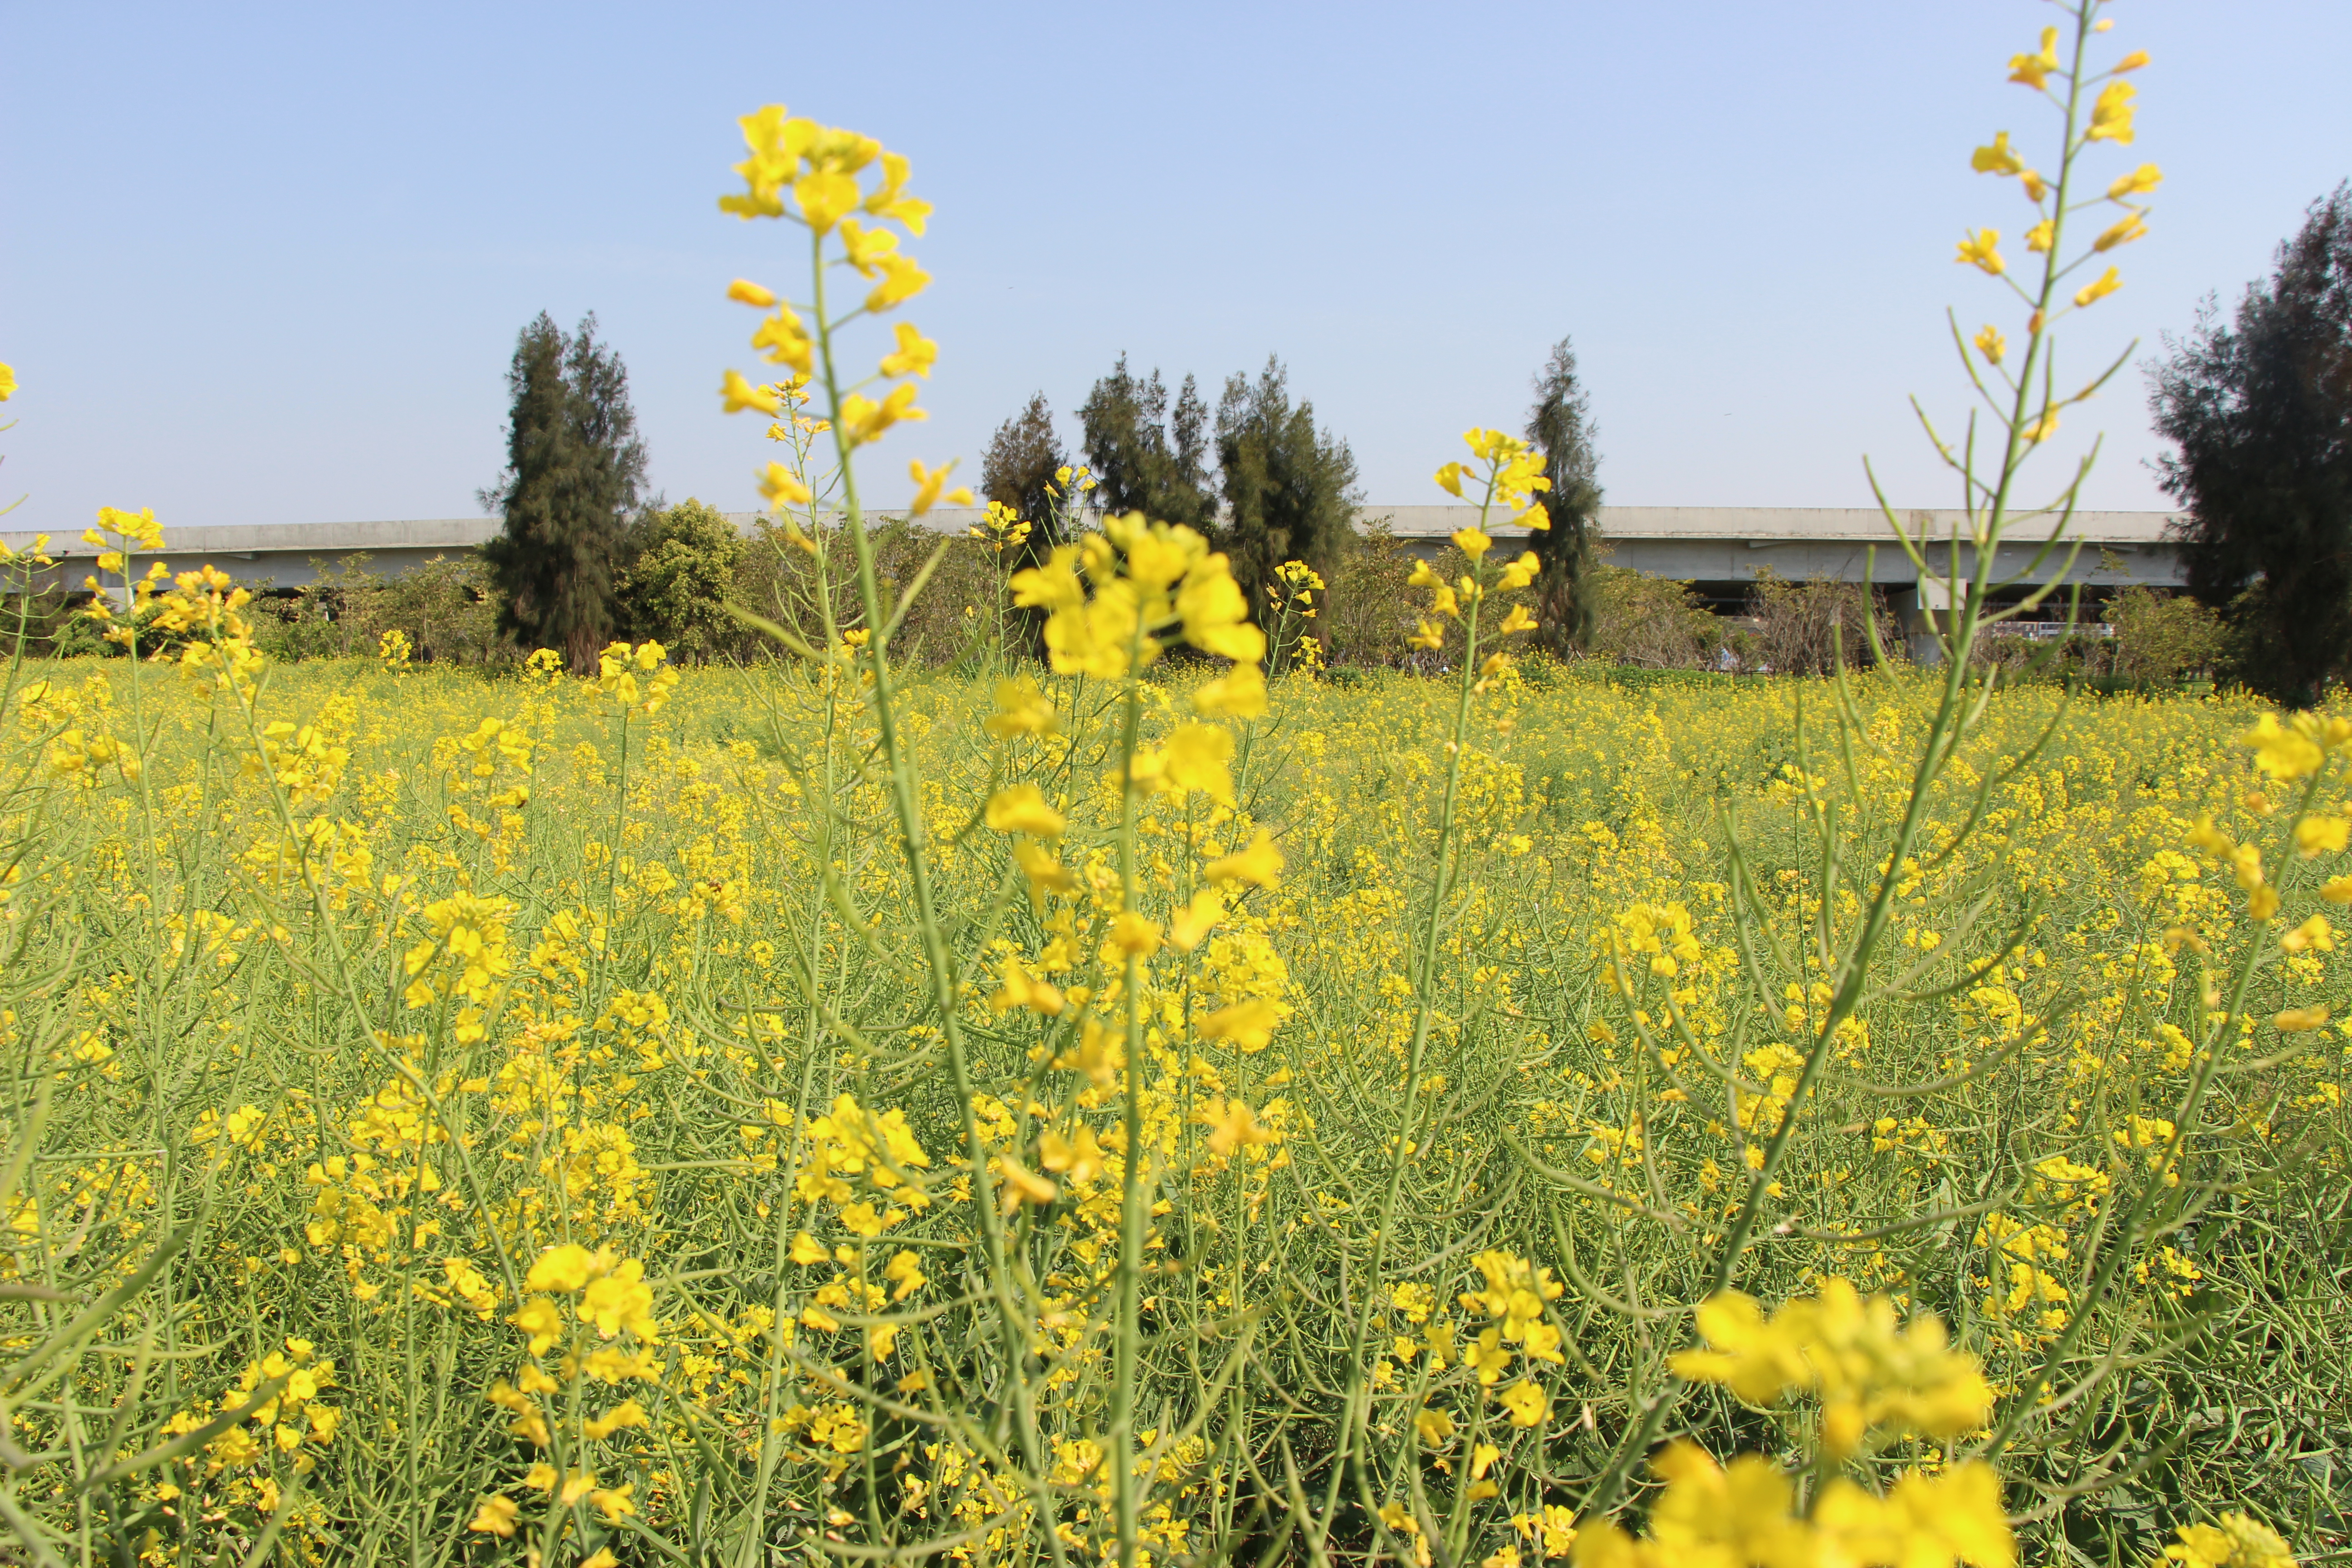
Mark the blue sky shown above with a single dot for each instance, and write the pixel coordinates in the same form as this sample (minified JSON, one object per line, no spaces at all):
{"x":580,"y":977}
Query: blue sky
{"x":267,"y":264}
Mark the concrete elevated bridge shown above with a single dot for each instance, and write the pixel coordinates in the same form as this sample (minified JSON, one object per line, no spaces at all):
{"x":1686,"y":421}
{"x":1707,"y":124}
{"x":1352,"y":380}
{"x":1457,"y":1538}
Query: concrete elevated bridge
{"x":1720,"y":551}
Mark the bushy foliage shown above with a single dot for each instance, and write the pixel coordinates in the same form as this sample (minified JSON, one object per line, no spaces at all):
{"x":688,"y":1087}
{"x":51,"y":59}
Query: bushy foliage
{"x":447,"y":608}
{"x":784,"y":581}
{"x":678,"y":578}
{"x":1369,"y":607}
{"x":2161,"y":638}
{"x":1653,"y":622}
{"x":1811,"y":626}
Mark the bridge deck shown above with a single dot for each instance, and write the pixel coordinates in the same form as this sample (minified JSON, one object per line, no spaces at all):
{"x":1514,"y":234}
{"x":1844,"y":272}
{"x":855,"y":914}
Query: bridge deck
{"x":1722,"y":549}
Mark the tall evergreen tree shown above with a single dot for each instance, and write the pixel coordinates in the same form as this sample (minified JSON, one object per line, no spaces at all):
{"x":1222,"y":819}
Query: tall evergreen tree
{"x":2260,"y":411}
{"x":1290,"y":488}
{"x":574,"y":471}
{"x":1561,"y":425}
{"x":1018,"y":469}
{"x":1142,"y":461}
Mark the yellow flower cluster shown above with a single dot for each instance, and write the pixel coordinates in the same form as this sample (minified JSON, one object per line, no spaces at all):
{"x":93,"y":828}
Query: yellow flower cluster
{"x":464,"y":953}
{"x":851,"y":1143}
{"x":620,"y":665}
{"x":1148,"y":580}
{"x":1744,"y":1516}
{"x":2234,"y":1540}
{"x":811,"y":174}
{"x":1505,"y":472}
{"x":1514,"y":1301}
{"x":1872,"y":1372}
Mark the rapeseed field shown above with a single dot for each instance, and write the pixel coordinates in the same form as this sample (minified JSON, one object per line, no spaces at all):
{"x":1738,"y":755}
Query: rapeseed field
{"x":504,"y":1106}
{"x":1134,"y":1096}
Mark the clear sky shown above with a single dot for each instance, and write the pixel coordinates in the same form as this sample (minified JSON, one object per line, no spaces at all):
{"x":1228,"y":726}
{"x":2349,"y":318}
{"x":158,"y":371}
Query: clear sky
{"x":267,"y":264}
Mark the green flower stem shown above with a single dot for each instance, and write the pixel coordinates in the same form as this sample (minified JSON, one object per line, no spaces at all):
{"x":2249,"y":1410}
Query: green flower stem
{"x":939,"y":960}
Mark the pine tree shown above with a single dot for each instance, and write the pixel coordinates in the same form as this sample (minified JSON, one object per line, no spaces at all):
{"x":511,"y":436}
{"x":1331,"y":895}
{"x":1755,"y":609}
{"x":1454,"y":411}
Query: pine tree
{"x":2260,"y":411}
{"x":1018,"y":469}
{"x":1290,"y":488}
{"x":1561,"y":425}
{"x":1141,"y":461}
{"x":574,"y":471}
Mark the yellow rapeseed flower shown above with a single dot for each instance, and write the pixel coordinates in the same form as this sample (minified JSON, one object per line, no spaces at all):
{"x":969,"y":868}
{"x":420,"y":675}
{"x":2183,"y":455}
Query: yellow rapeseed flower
{"x":930,"y":489}
{"x":1080,"y":1158}
{"x":2111,"y":114}
{"x":496,"y":1516}
{"x":1869,"y":1370}
{"x":1231,"y":1125}
{"x":1190,"y":924}
{"x":914,"y":355}
{"x":1998,"y":158}
{"x":1022,"y":808}
{"x":1977,"y":250}
{"x":1239,"y":693}
{"x":1134,"y":936}
{"x":782,"y":486}
{"x":1526,"y":1404}
{"x":863,"y":420}
{"x":2234,"y":1540}
{"x":621,"y":1299}
{"x":2091,"y":293}
{"x":739,"y":394}
{"x":1197,"y":757}
{"x":1260,"y":865}
{"x":1020,"y":710}
{"x":1249,"y":1026}
{"x":2131,"y":226}
{"x":2033,"y":70}
{"x":2298,"y":749}
{"x":1023,"y":989}
{"x":1956,"y":1515}
{"x":1022,"y":1185}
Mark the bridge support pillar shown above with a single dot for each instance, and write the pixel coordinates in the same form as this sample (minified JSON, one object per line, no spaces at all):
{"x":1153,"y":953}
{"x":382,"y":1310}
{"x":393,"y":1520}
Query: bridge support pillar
{"x":1919,"y":608}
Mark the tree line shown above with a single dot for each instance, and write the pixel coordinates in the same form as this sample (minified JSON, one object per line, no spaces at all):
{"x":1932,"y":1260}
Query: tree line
{"x":2256,"y":408}
{"x":1268,"y":484}
{"x":583,"y":556}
